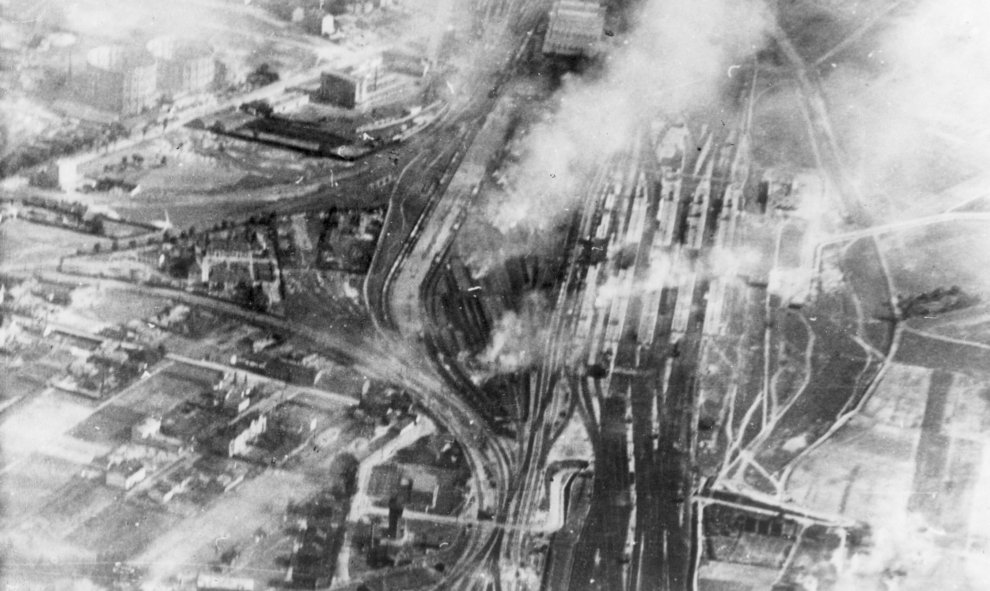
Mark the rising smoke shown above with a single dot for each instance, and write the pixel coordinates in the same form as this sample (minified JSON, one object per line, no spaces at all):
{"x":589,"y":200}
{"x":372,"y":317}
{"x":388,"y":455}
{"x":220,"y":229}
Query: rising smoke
{"x":673,"y":64}
{"x":904,"y":83}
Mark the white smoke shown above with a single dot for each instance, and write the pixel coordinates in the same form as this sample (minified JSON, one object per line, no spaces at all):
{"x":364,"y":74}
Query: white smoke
{"x":675,"y":61}
{"x":518,"y":339}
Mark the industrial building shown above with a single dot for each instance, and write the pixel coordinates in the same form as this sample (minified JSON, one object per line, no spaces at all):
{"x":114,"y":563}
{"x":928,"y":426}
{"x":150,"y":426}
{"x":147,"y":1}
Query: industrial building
{"x":575,"y":27}
{"x":365,"y":86}
{"x":120,"y":79}
{"x":183,"y":67}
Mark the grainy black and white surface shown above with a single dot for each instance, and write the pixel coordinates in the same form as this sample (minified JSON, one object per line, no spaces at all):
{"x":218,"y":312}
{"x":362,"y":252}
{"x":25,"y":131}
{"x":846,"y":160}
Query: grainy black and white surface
{"x":494,"y":294}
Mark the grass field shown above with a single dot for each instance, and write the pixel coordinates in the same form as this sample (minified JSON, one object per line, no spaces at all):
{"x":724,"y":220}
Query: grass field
{"x":925,"y":351}
{"x":907,"y":466}
{"x":25,"y":243}
{"x":968,"y":324}
{"x":110,"y":425}
{"x":864,"y":273}
{"x":163,"y":390}
{"x":940,"y":255}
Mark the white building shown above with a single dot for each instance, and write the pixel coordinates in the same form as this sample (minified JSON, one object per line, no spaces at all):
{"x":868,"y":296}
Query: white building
{"x":327,"y":25}
{"x":126,"y":475}
{"x":149,"y":427}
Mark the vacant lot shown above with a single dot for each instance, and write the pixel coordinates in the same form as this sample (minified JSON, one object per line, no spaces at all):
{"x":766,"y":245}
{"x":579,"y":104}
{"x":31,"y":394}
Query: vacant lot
{"x":110,"y":425}
{"x":125,"y":528}
{"x":90,"y":305}
{"x":165,"y":389}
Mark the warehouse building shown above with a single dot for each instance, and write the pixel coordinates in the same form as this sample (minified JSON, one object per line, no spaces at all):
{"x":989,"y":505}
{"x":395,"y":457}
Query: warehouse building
{"x":575,"y":28}
{"x":366,"y":86}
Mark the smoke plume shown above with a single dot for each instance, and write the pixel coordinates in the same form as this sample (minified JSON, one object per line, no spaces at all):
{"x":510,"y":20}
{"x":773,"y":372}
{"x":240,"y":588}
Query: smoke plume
{"x":674,"y":62}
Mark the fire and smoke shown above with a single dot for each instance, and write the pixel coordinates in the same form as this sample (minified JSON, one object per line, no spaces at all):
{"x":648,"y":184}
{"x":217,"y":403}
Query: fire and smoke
{"x":674,"y":62}
{"x":519,"y":337}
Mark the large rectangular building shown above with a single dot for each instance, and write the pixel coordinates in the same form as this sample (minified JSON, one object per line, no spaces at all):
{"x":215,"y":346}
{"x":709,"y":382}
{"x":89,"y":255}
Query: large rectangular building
{"x":366,"y":86}
{"x":575,"y":27}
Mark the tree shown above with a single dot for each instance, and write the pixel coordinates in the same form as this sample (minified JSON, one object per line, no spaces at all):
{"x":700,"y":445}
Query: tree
{"x":95,"y":226}
{"x":251,"y":296}
{"x":263,"y":75}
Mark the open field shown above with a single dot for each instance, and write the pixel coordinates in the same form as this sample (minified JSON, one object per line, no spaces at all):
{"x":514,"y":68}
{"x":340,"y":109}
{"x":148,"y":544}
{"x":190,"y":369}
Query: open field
{"x":40,"y":425}
{"x":840,"y":365}
{"x":931,"y":352}
{"x":25,"y":243}
{"x":162,"y":391}
{"x":111,"y":425}
{"x":841,"y":372}
{"x":912,"y":466}
{"x":93,"y":308}
{"x":26,"y":487}
{"x":939,"y":255}
{"x":970,"y":324}
{"x":863,"y":271}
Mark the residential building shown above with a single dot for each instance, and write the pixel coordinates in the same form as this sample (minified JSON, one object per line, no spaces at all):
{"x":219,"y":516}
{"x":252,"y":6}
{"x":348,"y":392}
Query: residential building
{"x":327,"y":25}
{"x":126,"y":474}
{"x":234,"y":439}
{"x":175,"y":483}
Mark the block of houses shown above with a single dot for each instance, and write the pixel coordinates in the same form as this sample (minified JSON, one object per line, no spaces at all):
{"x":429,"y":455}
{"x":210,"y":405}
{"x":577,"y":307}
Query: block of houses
{"x":175,"y":483}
